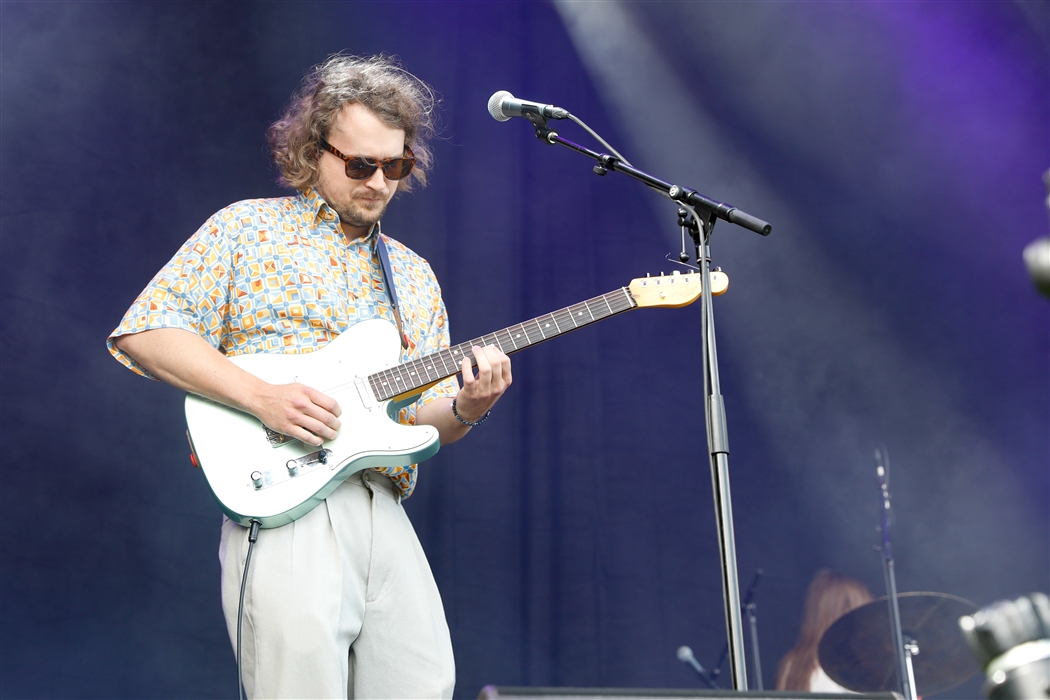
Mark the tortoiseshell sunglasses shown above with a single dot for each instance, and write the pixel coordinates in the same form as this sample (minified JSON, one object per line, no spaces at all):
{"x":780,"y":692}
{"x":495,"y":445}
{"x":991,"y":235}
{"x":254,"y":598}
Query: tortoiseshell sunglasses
{"x":358,"y":168}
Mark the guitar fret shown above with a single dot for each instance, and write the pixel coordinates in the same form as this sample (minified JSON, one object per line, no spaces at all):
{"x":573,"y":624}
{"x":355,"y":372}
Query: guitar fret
{"x":525,"y":326}
{"x":494,"y":341}
{"x":539,"y":329}
{"x":563,"y":320}
{"x":630,"y":302}
{"x":573,"y":313}
{"x":596,"y":309}
{"x":556,"y":326}
{"x":414,"y":375}
{"x":458,"y":353}
{"x":505,"y":339}
{"x":430,"y":370}
{"x":523,"y":334}
{"x":446,"y":360}
{"x":385,"y":378}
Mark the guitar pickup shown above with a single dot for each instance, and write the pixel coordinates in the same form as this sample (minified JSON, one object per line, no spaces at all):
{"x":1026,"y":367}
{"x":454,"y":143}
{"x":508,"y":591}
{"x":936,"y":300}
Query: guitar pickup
{"x":363,"y":392}
{"x":293,"y":468}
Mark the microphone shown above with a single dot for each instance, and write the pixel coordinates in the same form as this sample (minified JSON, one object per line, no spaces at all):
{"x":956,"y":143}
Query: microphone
{"x":685,"y":655}
{"x":503,"y":106}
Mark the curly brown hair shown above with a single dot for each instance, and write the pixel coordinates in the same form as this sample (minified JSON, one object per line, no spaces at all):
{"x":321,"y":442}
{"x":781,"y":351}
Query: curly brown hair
{"x":398,"y":98}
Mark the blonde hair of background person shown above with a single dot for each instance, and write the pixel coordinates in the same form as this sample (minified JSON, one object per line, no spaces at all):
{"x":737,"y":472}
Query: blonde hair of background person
{"x":830,"y":596}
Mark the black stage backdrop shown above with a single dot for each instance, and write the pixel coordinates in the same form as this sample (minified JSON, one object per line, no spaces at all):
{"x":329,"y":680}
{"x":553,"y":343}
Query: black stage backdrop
{"x":897,"y":148}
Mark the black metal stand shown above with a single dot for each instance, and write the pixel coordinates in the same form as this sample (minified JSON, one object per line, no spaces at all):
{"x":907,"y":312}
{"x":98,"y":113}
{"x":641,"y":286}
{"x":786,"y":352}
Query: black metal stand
{"x":704,"y":212}
{"x":752,"y":619}
{"x":718,"y":448}
{"x":902,"y":651}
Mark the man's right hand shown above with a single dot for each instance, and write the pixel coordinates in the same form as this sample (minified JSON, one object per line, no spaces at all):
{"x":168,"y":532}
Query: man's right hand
{"x":298,"y":411}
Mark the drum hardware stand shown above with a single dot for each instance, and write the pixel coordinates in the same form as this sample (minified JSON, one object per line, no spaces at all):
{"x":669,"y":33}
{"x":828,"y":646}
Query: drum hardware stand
{"x":904,"y":649}
{"x":756,"y":659}
{"x":749,"y":607}
{"x":704,"y":211}
{"x":911,"y":650}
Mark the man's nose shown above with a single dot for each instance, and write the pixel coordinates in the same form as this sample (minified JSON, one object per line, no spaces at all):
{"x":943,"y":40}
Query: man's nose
{"x":377,"y":181}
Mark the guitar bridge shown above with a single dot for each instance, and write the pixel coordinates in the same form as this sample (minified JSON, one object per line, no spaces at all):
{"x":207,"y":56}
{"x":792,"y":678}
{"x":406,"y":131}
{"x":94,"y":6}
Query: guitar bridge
{"x":275,"y":438}
{"x":293,"y":468}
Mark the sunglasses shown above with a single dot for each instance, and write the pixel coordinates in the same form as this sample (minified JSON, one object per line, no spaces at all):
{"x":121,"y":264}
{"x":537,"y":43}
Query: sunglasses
{"x":358,"y":168}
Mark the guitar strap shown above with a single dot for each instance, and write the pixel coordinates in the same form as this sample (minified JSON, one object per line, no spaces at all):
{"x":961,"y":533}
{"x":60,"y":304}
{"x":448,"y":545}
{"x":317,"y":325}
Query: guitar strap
{"x":388,"y":280}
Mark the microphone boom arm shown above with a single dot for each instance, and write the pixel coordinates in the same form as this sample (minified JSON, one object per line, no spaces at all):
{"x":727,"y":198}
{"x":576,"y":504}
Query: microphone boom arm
{"x":606,"y":162}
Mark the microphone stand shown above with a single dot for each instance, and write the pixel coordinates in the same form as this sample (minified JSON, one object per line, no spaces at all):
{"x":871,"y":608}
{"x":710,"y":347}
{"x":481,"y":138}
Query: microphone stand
{"x":902,"y":653}
{"x":705,"y":211}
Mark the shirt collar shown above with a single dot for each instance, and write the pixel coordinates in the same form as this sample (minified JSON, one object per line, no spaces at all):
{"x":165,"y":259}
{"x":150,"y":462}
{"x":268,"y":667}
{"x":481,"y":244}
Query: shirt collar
{"x":312,"y":201}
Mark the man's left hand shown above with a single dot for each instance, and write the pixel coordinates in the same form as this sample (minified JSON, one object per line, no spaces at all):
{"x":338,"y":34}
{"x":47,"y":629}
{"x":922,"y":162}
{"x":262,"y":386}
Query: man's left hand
{"x":480,"y":392}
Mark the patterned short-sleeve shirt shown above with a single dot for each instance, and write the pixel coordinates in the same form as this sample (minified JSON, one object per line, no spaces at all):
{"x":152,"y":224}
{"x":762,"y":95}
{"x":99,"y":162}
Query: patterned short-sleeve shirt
{"x":277,"y":275}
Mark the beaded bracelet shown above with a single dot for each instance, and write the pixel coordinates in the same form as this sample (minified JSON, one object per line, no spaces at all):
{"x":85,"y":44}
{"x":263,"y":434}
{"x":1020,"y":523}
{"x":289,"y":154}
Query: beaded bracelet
{"x":472,"y":424}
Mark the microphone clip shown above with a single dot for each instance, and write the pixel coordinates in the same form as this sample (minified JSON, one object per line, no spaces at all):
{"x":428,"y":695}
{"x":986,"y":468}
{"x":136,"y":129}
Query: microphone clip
{"x":543,"y":132}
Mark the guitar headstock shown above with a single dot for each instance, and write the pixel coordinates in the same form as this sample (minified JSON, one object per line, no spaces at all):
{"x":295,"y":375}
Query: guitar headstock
{"x":675,"y":289}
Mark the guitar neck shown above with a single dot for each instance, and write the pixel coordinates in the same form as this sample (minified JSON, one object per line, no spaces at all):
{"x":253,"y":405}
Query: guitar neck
{"x":411,"y":377}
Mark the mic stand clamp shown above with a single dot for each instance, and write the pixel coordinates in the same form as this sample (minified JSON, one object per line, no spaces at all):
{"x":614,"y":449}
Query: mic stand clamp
{"x":543,"y":132}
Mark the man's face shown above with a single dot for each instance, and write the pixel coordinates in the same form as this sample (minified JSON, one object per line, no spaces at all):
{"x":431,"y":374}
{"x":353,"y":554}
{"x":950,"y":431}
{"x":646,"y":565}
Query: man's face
{"x":359,"y":203}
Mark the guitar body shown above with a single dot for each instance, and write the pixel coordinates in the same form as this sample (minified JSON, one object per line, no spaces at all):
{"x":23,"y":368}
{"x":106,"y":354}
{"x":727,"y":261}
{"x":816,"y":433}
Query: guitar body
{"x":256,"y":474}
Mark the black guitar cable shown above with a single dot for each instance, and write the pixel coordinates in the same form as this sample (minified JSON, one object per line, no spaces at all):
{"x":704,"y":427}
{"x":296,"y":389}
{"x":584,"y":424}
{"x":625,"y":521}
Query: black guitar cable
{"x":253,"y":535}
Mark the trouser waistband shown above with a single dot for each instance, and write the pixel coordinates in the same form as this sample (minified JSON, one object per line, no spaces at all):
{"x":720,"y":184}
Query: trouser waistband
{"x":374,"y":481}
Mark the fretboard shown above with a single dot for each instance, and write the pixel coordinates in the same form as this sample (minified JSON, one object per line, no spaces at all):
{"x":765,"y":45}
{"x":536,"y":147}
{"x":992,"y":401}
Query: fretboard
{"x":411,"y":376}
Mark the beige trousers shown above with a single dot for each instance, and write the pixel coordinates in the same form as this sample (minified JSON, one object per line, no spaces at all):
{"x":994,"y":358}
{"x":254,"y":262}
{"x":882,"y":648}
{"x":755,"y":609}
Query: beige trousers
{"x":340,"y":603}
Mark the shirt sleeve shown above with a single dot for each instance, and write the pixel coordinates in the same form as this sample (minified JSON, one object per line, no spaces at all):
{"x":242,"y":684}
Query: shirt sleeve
{"x":191,"y":292}
{"x":449,"y":387}
{"x":434,"y":337}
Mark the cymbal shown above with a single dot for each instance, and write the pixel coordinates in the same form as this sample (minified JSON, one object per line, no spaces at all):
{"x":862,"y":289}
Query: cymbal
{"x":857,"y":651}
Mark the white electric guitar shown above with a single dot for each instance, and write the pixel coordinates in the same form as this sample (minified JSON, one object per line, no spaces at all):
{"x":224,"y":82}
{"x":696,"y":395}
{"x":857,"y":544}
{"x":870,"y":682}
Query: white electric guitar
{"x":256,"y":473}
